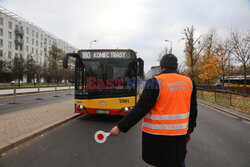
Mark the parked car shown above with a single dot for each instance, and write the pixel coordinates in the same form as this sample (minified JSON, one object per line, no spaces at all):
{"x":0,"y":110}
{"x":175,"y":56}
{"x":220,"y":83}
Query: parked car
{"x":217,"y":84}
{"x":229,"y":85}
{"x":15,"y":82}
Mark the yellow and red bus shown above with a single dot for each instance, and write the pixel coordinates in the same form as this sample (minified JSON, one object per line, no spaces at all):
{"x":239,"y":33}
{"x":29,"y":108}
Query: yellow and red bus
{"x":105,"y":80}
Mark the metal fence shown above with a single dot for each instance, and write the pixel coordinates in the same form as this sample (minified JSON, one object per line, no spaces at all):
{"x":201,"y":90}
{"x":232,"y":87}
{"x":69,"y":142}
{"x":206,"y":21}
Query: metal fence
{"x":226,"y":98}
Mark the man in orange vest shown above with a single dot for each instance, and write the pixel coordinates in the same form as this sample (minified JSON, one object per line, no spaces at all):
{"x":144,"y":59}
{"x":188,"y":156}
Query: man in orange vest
{"x":168,"y":107}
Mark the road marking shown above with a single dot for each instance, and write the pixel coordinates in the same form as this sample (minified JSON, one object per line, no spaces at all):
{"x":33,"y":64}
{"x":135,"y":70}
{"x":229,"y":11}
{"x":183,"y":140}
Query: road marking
{"x":2,"y":104}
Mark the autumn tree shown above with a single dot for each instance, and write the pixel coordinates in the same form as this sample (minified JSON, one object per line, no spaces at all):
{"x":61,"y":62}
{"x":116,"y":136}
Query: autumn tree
{"x":223,"y":52}
{"x":193,"y":50}
{"x":241,"y":50}
{"x":209,"y":65}
{"x":54,"y":63}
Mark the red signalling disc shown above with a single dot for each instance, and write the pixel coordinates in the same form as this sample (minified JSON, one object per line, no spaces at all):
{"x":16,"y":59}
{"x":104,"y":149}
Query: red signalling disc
{"x":101,"y":136}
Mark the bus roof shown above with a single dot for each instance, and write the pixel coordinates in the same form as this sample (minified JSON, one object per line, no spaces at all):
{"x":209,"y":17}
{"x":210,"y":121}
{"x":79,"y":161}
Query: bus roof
{"x":114,"y":49}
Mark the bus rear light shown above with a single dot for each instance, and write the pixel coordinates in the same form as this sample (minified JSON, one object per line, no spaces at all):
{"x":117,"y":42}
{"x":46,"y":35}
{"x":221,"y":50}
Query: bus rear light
{"x":126,"y":109}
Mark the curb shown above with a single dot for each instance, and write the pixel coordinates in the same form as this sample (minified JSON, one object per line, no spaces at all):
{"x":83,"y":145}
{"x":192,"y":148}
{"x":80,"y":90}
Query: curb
{"x":224,"y":110}
{"x":21,"y":139}
{"x":31,"y":93}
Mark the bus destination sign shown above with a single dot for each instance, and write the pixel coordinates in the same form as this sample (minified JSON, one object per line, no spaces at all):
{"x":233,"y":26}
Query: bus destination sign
{"x":106,"y":55}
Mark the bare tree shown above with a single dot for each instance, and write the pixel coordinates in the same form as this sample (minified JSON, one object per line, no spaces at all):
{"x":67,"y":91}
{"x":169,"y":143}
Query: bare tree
{"x":181,"y":68}
{"x":3,"y":65}
{"x":193,"y":49}
{"x":4,"y":74}
{"x":17,"y":69}
{"x":31,"y":69}
{"x":224,"y":51}
{"x":241,"y":50}
{"x":164,"y":52}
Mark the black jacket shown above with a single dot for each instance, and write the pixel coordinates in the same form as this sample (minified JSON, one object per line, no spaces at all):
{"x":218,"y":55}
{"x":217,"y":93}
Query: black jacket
{"x":159,"y":150}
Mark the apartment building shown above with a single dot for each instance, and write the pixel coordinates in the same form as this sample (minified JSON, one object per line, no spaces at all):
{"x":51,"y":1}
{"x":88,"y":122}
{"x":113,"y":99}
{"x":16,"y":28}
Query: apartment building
{"x":19,"y":37}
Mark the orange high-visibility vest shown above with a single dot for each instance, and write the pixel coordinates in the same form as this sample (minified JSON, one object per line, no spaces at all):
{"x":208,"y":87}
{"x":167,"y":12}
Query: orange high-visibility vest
{"x":170,"y":114}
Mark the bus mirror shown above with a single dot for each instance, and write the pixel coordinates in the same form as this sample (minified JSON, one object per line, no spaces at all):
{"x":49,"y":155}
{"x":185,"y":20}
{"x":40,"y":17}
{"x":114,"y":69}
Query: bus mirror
{"x":66,"y":57}
{"x":140,"y":67}
{"x":65,"y":61}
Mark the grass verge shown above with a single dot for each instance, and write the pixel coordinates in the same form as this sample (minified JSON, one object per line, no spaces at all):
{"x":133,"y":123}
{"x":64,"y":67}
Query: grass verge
{"x":237,"y":102}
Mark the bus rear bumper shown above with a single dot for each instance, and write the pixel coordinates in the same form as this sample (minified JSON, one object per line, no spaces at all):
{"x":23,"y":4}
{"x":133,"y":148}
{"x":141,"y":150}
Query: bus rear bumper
{"x":95,"y":111}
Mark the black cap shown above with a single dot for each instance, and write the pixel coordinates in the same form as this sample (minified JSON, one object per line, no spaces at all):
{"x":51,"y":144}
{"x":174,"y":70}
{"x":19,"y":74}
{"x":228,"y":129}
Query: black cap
{"x":169,"y":61}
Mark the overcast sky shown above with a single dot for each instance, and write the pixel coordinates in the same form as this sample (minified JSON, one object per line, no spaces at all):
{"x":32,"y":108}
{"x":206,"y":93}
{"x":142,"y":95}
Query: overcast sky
{"x":143,"y":25}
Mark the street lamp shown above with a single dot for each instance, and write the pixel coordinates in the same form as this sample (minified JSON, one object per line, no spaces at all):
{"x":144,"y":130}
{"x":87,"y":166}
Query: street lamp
{"x":91,"y":43}
{"x":171,"y":45}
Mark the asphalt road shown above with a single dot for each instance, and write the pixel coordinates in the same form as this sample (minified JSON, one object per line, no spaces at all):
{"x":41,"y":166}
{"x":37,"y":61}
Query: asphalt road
{"x":218,"y":141}
{"x":30,"y":100}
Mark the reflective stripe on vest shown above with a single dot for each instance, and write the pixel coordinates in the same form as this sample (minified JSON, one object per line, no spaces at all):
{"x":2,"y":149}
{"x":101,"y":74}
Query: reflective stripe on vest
{"x":167,"y":117}
{"x":170,"y":114}
{"x":165,"y":127}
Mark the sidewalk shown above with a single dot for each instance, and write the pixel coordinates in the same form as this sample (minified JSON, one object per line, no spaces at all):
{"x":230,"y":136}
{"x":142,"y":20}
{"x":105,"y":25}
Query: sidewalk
{"x":32,"y":90}
{"x":20,"y":126}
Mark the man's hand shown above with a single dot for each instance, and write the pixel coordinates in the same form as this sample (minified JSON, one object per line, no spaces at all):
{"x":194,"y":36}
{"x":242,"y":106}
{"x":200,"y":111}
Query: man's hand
{"x":188,"y":138}
{"x":115,"y":131}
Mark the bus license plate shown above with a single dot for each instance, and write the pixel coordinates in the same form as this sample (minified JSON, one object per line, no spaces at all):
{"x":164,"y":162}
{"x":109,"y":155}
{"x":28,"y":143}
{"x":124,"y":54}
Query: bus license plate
{"x":102,"y":112}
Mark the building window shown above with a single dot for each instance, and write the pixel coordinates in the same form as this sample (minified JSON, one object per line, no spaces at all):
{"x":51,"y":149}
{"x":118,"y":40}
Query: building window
{"x":27,"y":48}
{"x":33,"y":33}
{"x":21,"y":47}
{"x":36,"y":51}
{"x":16,"y":54}
{"x":36,"y":42}
{"x":16,"y":47}
{"x":41,"y":52}
{"x":36,"y":34}
{"x":21,"y":56}
{"x":28,"y":30}
{"x":10,"y":25}
{"x":9,"y":45}
{"x":1,"y":32}
{"x":41,"y":44}
{"x":1,"y":42}
{"x":10,"y":35}
{"x":27,"y":39}
{"x":9,"y":55}
{"x":1,"y":53}
{"x":41,"y":37}
{"x":32,"y":50}
{"x":32,"y":41}
{"x":1,"y":21}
